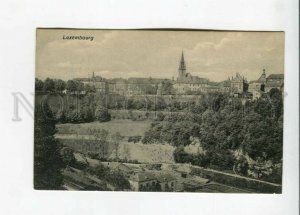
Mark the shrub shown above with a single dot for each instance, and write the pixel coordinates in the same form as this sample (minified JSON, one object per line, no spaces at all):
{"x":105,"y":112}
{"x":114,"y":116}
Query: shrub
{"x":102,"y":115}
{"x":134,"y":139}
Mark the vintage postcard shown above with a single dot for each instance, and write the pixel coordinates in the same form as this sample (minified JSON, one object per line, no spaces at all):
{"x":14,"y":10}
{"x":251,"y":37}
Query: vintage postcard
{"x":159,"y":110}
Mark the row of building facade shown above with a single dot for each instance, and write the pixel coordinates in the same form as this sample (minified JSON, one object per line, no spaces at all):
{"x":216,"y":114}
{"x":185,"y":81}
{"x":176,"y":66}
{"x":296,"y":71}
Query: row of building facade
{"x":186,"y":84}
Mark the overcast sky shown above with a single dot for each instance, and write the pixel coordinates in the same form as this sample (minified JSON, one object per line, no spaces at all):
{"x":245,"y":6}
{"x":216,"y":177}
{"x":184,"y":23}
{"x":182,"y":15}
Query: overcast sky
{"x":208,"y":54}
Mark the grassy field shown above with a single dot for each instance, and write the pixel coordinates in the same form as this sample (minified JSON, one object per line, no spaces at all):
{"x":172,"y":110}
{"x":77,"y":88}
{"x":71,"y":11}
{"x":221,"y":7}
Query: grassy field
{"x":124,"y":127}
{"x":146,"y":153}
{"x":76,"y":136}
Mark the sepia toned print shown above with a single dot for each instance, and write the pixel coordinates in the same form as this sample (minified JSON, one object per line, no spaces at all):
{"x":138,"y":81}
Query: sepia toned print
{"x":159,"y":111}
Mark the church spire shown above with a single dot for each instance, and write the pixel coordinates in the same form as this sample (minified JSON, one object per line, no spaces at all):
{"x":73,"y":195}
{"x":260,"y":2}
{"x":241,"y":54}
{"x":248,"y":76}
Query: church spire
{"x":264,"y":71}
{"x":182,"y":65}
{"x":182,"y":68}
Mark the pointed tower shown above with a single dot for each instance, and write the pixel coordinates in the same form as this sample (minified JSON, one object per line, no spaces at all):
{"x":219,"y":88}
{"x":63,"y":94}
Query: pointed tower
{"x":263,"y":77}
{"x":182,"y":67}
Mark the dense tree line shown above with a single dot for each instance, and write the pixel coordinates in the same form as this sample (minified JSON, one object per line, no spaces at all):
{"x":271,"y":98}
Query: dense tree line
{"x":50,"y":85}
{"x":59,"y":86}
{"x":229,"y":130}
{"x":158,"y":103}
{"x":48,"y":161}
{"x":78,"y":108}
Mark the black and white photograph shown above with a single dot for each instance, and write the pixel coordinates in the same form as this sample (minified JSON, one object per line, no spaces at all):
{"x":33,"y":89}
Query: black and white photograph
{"x":159,"y":111}
{"x":175,"y":107}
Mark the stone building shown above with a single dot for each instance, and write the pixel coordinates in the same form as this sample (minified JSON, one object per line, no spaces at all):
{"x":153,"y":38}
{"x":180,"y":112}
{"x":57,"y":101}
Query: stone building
{"x":167,"y":182}
{"x":100,"y":84}
{"x":274,"y":81}
{"x":186,"y":82}
{"x":118,"y":86}
{"x":143,"y":181}
{"x":134,"y":86}
{"x":225,"y":86}
{"x":257,"y":87}
{"x":148,"y":181}
{"x":264,"y":84}
{"x":238,"y":85}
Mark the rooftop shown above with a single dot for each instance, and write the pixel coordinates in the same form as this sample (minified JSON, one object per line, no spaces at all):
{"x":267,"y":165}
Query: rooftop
{"x":164,"y":177}
{"x":145,"y":80}
{"x":96,"y":79}
{"x":272,"y":84}
{"x":143,"y":176}
{"x":189,"y":79}
{"x":238,"y":78}
{"x":276,"y":76}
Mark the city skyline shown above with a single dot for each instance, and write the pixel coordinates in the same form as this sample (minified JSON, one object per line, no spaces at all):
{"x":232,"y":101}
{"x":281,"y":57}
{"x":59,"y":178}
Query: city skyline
{"x":130,"y":53}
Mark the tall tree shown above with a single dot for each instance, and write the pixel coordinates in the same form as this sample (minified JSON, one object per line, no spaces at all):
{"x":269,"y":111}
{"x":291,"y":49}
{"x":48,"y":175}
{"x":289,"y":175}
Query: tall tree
{"x":39,"y":85}
{"x":49,"y":85}
{"x":71,"y":86}
{"x":167,"y":88}
{"x":79,"y":86}
{"x":48,"y":162}
{"x":89,"y":88}
{"x":101,"y":114}
{"x":59,"y":85}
